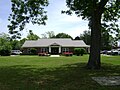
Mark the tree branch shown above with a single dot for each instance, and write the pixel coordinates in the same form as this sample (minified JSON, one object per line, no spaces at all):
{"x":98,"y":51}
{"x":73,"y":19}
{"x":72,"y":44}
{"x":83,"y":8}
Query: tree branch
{"x":102,"y":5}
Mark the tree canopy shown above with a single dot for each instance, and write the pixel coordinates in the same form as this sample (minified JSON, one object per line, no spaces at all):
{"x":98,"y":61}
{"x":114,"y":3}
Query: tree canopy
{"x":96,"y":11}
{"x":26,"y":11}
{"x":107,"y":40}
{"x":86,"y":37}
{"x":32,"y":36}
{"x":63,"y":35}
{"x":5,"y":46}
{"x":49,"y":34}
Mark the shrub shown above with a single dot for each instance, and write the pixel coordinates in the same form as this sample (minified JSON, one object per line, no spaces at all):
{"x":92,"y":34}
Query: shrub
{"x":79,"y":51}
{"x":5,"y":50}
{"x":82,"y":51}
{"x":33,"y":51}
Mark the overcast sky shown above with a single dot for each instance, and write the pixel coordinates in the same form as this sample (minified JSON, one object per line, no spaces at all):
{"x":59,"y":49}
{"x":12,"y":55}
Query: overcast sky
{"x":56,"y":22}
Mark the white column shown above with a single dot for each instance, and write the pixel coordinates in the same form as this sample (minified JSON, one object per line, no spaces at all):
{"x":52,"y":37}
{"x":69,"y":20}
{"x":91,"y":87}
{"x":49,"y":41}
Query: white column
{"x":49,"y":49}
{"x":119,"y":43}
{"x":59,"y":49}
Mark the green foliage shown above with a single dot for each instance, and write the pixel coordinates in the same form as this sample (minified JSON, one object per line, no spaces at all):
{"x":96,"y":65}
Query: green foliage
{"x":5,"y":46}
{"x":32,"y":36}
{"x":15,"y":44}
{"x":82,"y":51}
{"x":98,"y":12}
{"x":82,"y":8}
{"x":63,"y":35}
{"x":77,"y":38}
{"x":112,"y":11}
{"x":86,"y":37}
{"x":49,"y":34}
{"x":79,"y":51}
{"x":5,"y":50}
{"x":33,"y":51}
{"x":109,"y":8}
{"x":25,"y":11}
{"x":22,"y":41}
{"x":107,"y":40}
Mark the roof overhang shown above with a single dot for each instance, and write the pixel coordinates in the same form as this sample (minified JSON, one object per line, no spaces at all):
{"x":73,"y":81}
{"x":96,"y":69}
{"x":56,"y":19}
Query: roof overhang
{"x":54,"y":44}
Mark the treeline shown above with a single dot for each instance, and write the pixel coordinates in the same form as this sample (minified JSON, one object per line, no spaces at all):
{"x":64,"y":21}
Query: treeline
{"x":7,"y":43}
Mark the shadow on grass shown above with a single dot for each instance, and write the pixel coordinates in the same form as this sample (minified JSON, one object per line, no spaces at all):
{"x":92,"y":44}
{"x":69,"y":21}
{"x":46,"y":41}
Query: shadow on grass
{"x":67,"y":77}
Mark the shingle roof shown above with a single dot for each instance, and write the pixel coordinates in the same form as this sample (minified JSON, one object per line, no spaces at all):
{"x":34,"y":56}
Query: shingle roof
{"x":48,"y":42}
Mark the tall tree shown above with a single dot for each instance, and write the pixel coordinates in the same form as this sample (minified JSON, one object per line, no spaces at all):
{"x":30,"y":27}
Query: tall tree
{"x":25,"y":11}
{"x":15,"y":44}
{"x":86,"y":37}
{"x":95,"y":11}
{"x":77,"y":38}
{"x":5,"y":46}
{"x":49,"y":34}
{"x":32,"y":36}
{"x":63,"y":35}
{"x":22,"y":41}
{"x":106,"y":38}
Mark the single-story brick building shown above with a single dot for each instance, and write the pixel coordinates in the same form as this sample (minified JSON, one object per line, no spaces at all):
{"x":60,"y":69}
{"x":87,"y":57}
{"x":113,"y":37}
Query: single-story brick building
{"x":53,"y":46}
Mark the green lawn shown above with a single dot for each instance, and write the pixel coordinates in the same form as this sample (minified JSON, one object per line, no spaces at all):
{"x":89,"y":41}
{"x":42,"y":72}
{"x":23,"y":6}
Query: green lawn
{"x":50,"y":73}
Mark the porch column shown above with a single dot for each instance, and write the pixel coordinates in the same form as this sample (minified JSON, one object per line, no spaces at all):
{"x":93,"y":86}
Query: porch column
{"x":49,"y":49}
{"x":59,"y":49}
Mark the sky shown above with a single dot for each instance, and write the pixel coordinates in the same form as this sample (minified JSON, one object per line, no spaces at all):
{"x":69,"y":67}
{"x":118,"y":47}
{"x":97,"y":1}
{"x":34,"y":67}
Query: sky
{"x":57,"y":22}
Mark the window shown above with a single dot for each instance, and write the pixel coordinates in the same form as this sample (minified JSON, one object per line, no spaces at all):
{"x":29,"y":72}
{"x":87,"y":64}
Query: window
{"x":44,"y":50}
{"x":65,"y":50}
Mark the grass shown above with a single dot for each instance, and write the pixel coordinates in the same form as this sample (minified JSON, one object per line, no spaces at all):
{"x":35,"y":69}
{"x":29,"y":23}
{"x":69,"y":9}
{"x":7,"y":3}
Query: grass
{"x":50,"y":73}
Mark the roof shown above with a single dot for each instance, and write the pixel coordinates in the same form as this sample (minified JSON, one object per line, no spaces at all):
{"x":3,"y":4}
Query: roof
{"x":54,"y":42}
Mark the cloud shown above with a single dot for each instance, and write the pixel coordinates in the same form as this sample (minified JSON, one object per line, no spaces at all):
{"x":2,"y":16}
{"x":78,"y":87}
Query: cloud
{"x":71,"y":19}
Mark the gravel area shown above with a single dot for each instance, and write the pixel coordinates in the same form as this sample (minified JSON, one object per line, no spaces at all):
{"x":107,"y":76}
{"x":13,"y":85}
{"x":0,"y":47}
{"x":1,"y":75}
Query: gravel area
{"x":108,"y":81}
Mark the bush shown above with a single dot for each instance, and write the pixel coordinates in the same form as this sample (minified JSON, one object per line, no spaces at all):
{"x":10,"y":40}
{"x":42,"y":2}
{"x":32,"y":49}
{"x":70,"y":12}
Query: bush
{"x":82,"y":51}
{"x":33,"y":51}
{"x":79,"y":51}
{"x":5,"y":50}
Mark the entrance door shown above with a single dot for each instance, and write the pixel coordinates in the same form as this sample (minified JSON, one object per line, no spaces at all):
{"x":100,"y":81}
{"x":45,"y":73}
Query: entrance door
{"x":55,"y":50}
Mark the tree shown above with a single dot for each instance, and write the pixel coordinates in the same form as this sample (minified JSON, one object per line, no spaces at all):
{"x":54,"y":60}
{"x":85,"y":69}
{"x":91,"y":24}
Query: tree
{"x":63,"y":35}
{"x":33,"y":51}
{"x":49,"y":34}
{"x":106,"y":38}
{"x":86,"y":37}
{"x":77,"y":51}
{"x":32,"y":36}
{"x":22,"y":41}
{"x":77,"y":38}
{"x":25,"y":11}
{"x":5,"y":46}
{"x":95,"y":11}
{"x":15,"y":44}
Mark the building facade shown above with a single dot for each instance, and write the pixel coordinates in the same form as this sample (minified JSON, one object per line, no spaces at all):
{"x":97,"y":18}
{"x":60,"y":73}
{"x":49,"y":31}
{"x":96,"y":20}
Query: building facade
{"x":53,"y":46}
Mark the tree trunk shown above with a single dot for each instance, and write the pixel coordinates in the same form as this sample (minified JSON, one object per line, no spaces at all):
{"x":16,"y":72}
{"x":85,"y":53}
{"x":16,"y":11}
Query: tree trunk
{"x":94,"y":58}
